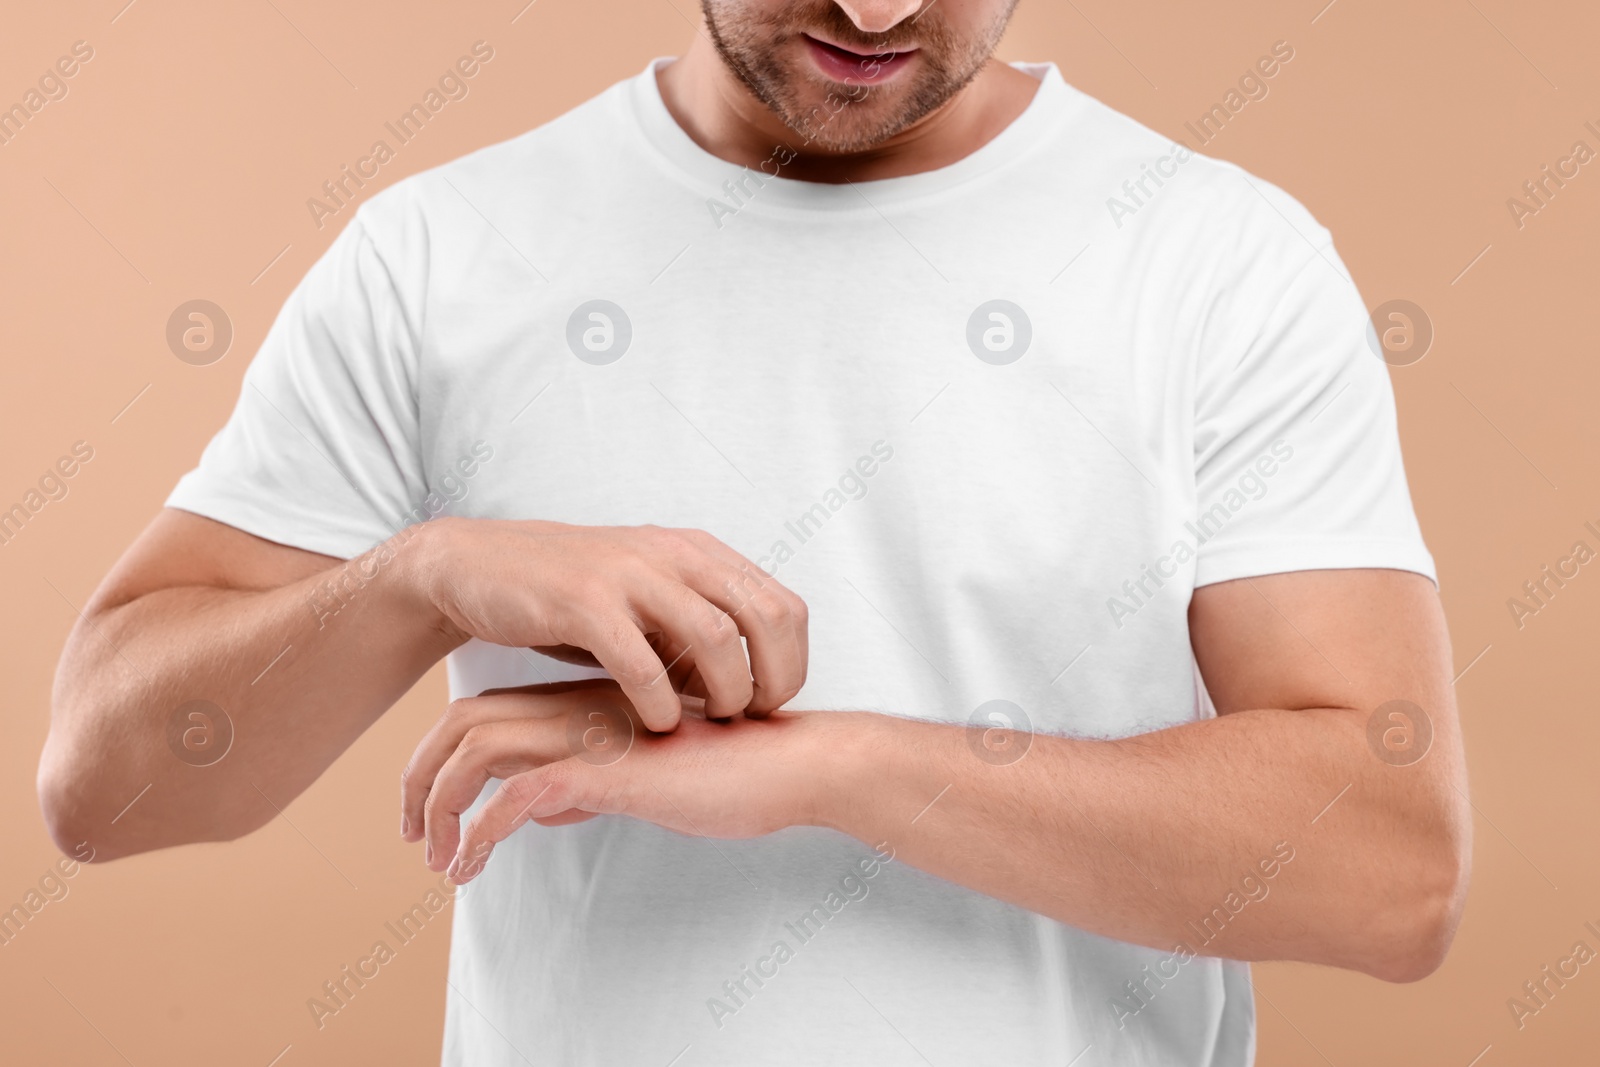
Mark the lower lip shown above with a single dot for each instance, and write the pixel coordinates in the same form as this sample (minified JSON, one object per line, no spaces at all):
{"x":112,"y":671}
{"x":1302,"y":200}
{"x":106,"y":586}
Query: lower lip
{"x":841,"y":66}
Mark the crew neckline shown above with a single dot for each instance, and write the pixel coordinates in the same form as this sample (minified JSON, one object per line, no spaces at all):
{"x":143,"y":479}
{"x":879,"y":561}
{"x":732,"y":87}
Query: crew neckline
{"x":673,"y":146}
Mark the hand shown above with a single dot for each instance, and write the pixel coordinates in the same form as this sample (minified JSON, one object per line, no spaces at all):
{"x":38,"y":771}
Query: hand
{"x":568,"y":752}
{"x":661,"y":610}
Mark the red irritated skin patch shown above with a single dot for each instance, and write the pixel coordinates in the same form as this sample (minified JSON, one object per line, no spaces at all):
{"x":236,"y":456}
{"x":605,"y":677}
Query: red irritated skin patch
{"x":856,"y":68}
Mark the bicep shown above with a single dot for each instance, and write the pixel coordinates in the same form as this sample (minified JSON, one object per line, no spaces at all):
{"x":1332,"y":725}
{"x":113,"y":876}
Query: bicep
{"x":1355,"y":638}
{"x":182,"y":549}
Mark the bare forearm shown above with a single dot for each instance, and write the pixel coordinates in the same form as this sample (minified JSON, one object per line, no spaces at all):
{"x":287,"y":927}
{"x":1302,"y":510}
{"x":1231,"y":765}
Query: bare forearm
{"x":297,"y":673}
{"x":1145,"y":839}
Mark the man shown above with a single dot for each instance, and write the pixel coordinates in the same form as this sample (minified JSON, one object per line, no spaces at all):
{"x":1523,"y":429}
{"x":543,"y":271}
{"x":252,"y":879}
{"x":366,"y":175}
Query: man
{"x":811,"y":369}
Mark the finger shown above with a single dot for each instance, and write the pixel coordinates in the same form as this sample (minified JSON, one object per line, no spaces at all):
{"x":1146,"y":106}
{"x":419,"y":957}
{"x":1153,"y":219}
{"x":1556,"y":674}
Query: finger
{"x":446,"y":734}
{"x":771,"y":617}
{"x":777,"y":656}
{"x":687,"y":681}
{"x":619,"y":644}
{"x":548,"y":792}
{"x":680,"y":667}
{"x":795,"y":604}
{"x":707,"y":635}
{"x":499,"y":749}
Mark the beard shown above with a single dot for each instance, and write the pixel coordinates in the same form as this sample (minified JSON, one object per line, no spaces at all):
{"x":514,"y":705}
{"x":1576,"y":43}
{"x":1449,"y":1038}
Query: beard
{"x":841,"y":116}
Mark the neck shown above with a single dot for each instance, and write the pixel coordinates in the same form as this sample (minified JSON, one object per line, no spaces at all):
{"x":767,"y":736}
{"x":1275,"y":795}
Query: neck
{"x":724,"y":118}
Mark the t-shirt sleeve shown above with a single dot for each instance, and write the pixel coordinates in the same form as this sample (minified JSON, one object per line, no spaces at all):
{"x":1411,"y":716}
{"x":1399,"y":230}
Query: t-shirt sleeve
{"x":1297,"y":453}
{"x":322,"y":450}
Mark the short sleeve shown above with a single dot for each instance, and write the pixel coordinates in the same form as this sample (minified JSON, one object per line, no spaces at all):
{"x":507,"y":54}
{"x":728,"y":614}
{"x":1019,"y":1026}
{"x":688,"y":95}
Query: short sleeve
{"x":322,"y":450}
{"x":1297,"y":453}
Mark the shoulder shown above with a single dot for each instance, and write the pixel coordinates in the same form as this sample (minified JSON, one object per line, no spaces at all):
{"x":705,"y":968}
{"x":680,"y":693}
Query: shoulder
{"x":1150,"y":190}
{"x":546,"y":165}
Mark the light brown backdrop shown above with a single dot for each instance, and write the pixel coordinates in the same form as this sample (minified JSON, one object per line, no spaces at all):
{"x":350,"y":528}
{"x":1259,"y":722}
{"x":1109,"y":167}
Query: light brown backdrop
{"x":178,"y":165}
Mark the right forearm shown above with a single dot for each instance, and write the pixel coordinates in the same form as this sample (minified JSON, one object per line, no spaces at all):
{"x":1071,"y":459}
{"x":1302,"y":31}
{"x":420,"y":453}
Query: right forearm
{"x":298,"y":672}
{"x":299,"y":654}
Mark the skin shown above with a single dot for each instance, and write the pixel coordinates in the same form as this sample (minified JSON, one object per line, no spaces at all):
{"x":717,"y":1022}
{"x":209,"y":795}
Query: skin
{"x":1132,"y":839}
{"x":863,"y":140}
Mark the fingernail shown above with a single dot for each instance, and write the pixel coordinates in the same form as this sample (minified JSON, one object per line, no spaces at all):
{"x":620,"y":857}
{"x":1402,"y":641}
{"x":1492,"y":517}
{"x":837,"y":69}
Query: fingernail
{"x":427,"y":853}
{"x":405,"y":825}
{"x":455,"y":866}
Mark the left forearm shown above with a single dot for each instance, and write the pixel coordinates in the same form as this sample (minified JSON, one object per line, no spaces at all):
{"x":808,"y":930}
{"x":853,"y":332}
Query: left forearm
{"x":1181,"y":836}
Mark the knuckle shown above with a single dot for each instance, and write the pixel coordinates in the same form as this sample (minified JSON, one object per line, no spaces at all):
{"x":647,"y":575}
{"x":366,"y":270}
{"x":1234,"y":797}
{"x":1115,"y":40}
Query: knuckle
{"x":514,"y":790}
{"x":717,"y":630}
{"x":472,"y":742}
{"x":522,"y":791}
{"x":748,"y":576}
{"x":638,"y":673}
{"x":697,"y":537}
{"x":771,"y":608}
{"x":681,"y":542}
{"x":615,"y":632}
{"x":657,"y":537}
{"x":777,"y":695}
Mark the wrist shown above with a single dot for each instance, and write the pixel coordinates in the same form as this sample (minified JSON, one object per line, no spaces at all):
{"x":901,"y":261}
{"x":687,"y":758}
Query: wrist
{"x":421,"y":572}
{"x":847,"y":767}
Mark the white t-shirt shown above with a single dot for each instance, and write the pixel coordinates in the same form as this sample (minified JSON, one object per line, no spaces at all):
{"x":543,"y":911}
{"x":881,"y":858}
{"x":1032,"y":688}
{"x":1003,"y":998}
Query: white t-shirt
{"x":979,"y":502}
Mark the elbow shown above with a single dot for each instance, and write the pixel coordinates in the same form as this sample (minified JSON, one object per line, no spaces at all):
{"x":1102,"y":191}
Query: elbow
{"x":1428,"y":936}
{"x":94,"y":814}
{"x":75,"y":815}
{"x":1423,"y":914}
{"x":61,"y":795}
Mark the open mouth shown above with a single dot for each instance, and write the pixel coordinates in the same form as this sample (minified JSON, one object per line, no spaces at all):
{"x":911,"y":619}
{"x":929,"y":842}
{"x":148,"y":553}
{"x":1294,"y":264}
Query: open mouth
{"x":857,"y":68}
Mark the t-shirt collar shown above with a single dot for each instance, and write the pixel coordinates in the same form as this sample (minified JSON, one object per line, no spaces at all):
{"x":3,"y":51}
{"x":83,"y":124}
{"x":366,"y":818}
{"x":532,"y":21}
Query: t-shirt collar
{"x":674,"y":148}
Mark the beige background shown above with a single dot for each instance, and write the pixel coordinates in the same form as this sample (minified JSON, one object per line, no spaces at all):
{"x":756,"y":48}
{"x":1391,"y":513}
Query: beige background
{"x":178,"y":167}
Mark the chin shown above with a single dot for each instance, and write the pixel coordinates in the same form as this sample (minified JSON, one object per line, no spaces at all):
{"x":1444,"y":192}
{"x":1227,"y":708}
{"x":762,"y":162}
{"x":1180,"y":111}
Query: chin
{"x":844,"y":117}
